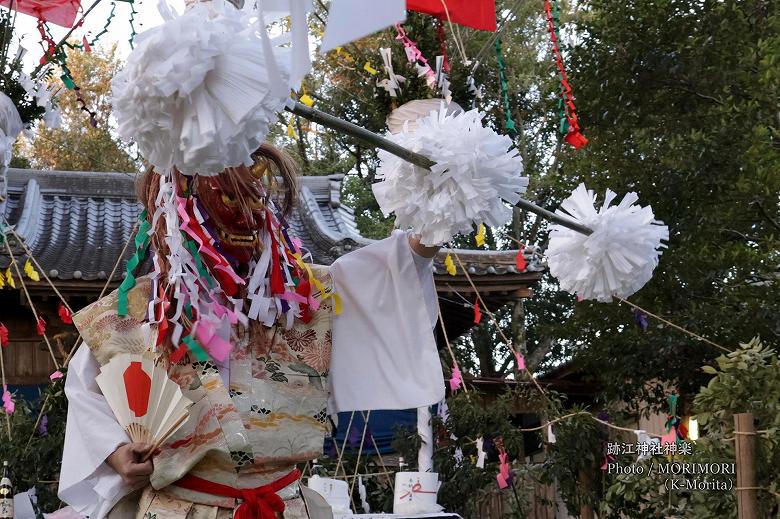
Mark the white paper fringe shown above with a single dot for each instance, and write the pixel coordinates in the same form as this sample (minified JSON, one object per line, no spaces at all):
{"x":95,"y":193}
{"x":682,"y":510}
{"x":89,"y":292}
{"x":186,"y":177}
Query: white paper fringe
{"x":476,"y":171}
{"x":618,"y":258}
{"x":200,"y":91}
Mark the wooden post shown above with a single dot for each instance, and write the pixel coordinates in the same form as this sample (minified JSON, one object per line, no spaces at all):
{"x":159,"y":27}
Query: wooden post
{"x":745,"y":442}
{"x":586,"y":484}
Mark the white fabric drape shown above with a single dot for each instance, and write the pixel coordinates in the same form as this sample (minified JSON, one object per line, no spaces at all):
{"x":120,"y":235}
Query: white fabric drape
{"x":384,"y":350}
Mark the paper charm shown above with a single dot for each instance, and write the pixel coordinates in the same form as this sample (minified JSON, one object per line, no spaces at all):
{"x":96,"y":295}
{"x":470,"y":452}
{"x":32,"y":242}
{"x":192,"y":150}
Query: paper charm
{"x":550,"y":434}
{"x":3,"y":335}
{"x":9,"y":278}
{"x":2,"y":280}
{"x":8,"y":403}
{"x":393,"y":82}
{"x":371,"y":70}
{"x":442,"y":82}
{"x":363,"y":495}
{"x":643,"y":438}
{"x":477,"y":312}
{"x":56,"y":375}
{"x":481,"y":454}
{"x":618,"y":258}
{"x":480,"y":236}
{"x":40,"y":327}
{"x":64,"y":313}
{"x":520,"y":360}
{"x":307,"y":100}
{"x":30,"y":271}
{"x":450,"y":265}
{"x":520,"y":261}
{"x":504,"y":477}
{"x":455,"y":380}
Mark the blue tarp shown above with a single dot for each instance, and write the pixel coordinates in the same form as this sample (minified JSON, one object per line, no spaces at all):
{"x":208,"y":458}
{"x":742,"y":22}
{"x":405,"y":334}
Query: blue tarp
{"x":382,"y":426}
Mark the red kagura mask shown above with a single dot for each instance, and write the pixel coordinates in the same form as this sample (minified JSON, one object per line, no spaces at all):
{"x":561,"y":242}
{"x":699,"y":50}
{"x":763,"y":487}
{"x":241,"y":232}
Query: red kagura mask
{"x":235,"y":203}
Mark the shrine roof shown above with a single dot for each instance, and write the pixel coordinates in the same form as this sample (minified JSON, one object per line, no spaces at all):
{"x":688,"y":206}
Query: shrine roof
{"x":77,"y":224}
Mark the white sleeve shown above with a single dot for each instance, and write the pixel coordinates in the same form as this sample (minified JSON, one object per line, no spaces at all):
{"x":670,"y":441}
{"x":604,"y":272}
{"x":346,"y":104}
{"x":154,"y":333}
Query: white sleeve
{"x":87,"y":483}
{"x":384,"y":349}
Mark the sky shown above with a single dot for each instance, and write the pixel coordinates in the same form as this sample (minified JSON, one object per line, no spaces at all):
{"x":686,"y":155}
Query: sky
{"x":119,"y":31}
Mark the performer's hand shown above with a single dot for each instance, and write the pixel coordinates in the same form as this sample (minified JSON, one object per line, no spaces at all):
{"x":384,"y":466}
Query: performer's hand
{"x":126,"y":461}
{"x":422,"y":250}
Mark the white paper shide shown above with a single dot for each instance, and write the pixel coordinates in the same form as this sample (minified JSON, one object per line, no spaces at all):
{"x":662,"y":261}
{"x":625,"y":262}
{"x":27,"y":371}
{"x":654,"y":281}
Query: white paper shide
{"x":618,"y":258}
{"x":477,"y":173}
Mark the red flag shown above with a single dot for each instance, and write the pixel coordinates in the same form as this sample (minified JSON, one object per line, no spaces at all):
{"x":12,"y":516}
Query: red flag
{"x":60,"y":12}
{"x":479,"y":14}
{"x":41,"y":326}
{"x":477,"y":313}
{"x":65,"y":315}
{"x":3,"y":335}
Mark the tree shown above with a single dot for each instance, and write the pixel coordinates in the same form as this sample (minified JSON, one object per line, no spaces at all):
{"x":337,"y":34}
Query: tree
{"x":78,"y":145}
{"x":680,"y":103}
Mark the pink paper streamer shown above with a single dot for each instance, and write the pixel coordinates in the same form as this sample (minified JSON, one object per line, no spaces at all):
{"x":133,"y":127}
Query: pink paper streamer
{"x":503,"y":471}
{"x":56,"y":375}
{"x":413,"y":54}
{"x":520,"y":361}
{"x":455,"y":380}
{"x":215,"y":345}
{"x":8,"y":403}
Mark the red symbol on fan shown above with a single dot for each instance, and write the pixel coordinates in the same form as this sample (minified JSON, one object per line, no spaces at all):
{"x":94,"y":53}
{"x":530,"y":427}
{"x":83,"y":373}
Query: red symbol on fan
{"x":137,"y":387}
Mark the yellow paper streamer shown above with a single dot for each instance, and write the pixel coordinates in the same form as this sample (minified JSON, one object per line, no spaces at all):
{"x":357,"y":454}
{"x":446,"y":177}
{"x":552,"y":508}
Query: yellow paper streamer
{"x":368,"y":68}
{"x":307,"y":100}
{"x":451,"y":270}
{"x":290,"y":128}
{"x":30,"y":271}
{"x":344,"y":54}
{"x":2,"y":281}
{"x":480,"y":237}
{"x":9,"y":278}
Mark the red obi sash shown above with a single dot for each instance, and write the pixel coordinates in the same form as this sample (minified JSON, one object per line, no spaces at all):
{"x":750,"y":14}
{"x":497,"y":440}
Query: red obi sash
{"x":257,"y":503}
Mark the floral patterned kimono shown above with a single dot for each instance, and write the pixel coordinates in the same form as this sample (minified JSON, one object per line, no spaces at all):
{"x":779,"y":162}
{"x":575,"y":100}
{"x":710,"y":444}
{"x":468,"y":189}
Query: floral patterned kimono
{"x":266,"y":410}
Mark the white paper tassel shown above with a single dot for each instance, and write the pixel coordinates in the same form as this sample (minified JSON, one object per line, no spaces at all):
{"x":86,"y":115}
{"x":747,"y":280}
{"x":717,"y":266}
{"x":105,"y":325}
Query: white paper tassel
{"x":550,"y":434}
{"x":481,"y":453}
{"x":475,"y":173}
{"x":200,"y":91}
{"x":618,"y":258}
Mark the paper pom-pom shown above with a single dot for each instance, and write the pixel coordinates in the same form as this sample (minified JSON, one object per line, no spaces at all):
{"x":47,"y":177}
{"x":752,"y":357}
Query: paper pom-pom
{"x":617,"y":259}
{"x":475,"y":173}
{"x":199,"y":91}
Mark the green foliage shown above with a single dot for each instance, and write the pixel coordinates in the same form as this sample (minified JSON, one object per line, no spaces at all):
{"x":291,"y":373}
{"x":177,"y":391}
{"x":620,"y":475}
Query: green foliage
{"x":680,"y":103}
{"x":35,"y":458}
{"x":746,"y":380}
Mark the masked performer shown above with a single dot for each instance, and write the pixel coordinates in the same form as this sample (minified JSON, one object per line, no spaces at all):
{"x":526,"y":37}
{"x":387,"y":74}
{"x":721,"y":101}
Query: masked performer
{"x":260,"y":374}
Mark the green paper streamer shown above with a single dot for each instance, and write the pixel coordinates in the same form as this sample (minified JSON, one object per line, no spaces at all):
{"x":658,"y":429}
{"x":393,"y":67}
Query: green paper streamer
{"x":563,"y":127}
{"x":202,"y":270}
{"x":141,"y":247}
{"x":196,"y":349}
{"x":509,"y":123}
{"x":94,"y":40}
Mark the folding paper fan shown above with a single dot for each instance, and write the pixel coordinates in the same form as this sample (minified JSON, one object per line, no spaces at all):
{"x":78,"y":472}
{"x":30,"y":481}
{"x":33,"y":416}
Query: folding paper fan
{"x":148,"y":404}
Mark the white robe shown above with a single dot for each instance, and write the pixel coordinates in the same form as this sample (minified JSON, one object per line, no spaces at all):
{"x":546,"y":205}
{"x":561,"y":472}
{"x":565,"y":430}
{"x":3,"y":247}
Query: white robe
{"x":384,"y":357}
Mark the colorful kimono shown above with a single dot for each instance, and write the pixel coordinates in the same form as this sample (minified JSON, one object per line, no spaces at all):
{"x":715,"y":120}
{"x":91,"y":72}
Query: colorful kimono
{"x":266,"y":410}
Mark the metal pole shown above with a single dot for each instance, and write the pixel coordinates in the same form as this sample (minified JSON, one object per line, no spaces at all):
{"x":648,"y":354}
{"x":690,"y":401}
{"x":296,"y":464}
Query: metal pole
{"x":334,"y":123}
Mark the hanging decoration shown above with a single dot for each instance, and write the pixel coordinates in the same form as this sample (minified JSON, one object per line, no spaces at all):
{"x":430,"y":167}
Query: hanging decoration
{"x":86,"y":45}
{"x":200,"y":91}
{"x":504,"y":476}
{"x":520,"y":262}
{"x":478,"y":14}
{"x":393,"y":81}
{"x":479,"y":238}
{"x":4,"y":340}
{"x":477,"y":312}
{"x":520,"y":361}
{"x":30,"y":271}
{"x":56,"y":375}
{"x":481,"y":454}
{"x":569,"y":124}
{"x":65,"y":315}
{"x":456,"y":380}
{"x":676,"y":431}
{"x":450,"y":265}
{"x":59,"y":12}
{"x":415,"y":57}
{"x":40,"y":326}
{"x":476,"y":171}
{"x":8,"y":402}
{"x":9,"y":279}
{"x":509,"y":123}
{"x":618,"y":258}
{"x":131,"y":22}
{"x":640,"y":318}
